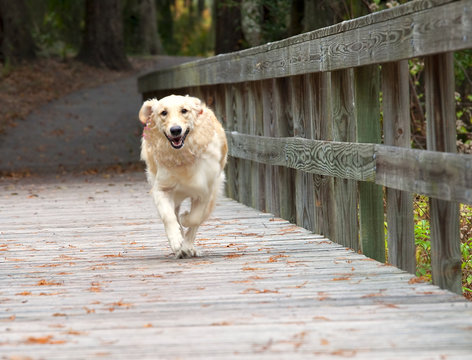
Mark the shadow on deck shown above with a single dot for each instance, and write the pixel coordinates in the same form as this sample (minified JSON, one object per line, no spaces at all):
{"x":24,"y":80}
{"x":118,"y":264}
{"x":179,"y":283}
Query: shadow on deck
{"x":87,"y":273}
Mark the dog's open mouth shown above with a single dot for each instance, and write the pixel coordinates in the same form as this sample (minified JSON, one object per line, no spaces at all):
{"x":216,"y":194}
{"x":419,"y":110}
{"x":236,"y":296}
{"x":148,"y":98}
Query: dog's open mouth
{"x":177,"y":141}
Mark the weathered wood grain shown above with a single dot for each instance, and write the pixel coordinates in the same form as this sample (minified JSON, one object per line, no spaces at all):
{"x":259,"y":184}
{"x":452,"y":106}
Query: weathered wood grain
{"x":242,"y":125}
{"x":371,"y":214}
{"x":323,"y":130}
{"x":87,"y":272}
{"x":256,"y":127}
{"x":440,"y":175}
{"x":268,"y":113}
{"x":344,"y":160}
{"x":284,"y":127}
{"x":299,"y":87}
{"x":410,"y":30}
{"x":441,"y":136}
{"x":344,"y":129}
{"x":232,"y":189}
{"x":396,"y":125}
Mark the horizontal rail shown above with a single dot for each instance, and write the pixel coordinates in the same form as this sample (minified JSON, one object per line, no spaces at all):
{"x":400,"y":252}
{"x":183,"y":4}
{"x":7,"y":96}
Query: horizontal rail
{"x":440,"y":175}
{"x":415,"y":29}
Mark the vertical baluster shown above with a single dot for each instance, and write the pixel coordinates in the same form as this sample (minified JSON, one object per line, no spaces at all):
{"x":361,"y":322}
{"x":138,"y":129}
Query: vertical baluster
{"x":396,"y":124}
{"x":441,"y":136}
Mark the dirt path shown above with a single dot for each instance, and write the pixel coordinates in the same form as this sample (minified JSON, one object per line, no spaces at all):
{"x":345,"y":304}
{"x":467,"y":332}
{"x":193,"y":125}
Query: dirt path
{"x":93,"y":127}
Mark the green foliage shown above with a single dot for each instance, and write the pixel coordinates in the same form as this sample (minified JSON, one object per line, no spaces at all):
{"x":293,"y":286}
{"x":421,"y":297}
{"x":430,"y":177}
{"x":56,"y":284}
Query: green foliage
{"x":462,"y":62}
{"x":275,"y":19}
{"x":422,"y":236}
{"x":183,"y":30}
{"x":423,"y":245}
{"x":58,"y":26}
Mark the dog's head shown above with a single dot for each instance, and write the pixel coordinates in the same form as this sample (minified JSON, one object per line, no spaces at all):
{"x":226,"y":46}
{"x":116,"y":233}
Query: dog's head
{"x":174,"y":116}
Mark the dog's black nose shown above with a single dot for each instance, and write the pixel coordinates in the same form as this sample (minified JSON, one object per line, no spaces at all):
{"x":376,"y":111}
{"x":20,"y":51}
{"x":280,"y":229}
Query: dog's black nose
{"x":176,"y":130}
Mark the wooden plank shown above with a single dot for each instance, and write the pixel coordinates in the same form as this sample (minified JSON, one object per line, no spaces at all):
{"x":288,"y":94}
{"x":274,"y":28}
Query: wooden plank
{"x":269,"y":120}
{"x":242,"y":125}
{"x":441,"y":175}
{"x":302,"y":127}
{"x":343,"y":160}
{"x":232,"y":188}
{"x":323,"y":130}
{"x":441,"y":136}
{"x":255,"y":122}
{"x":284,"y":127}
{"x":404,"y":32}
{"x":87,"y":273}
{"x":371,"y":207}
{"x":344,"y":129}
{"x":396,"y":124}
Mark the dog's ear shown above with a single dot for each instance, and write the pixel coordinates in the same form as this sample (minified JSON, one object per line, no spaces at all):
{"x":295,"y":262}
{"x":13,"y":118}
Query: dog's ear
{"x":146,"y":110}
{"x":195,"y":104}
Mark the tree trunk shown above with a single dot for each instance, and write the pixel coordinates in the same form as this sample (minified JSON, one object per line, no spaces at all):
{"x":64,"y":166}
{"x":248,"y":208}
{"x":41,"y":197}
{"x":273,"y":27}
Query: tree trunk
{"x":228,"y":32}
{"x":103,"y":44}
{"x":148,"y":36}
{"x":16,"y":42}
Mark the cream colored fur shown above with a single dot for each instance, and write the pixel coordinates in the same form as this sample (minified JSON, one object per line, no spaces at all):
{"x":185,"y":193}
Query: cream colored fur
{"x":193,"y":171}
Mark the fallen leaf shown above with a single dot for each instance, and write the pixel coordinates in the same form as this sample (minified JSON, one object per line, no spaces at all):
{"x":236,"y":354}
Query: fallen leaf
{"x":47,"y":283}
{"x":257,"y":291}
{"x":248,"y":268}
{"x":49,"y":339}
{"x":276,"y":257}
{"x":232,"y":256}
{"x":418,"y":279}
{"x":112,"y":255}
{"x":24,"y":293}
{"x":74,"y":332}
{"x":222,"y":323}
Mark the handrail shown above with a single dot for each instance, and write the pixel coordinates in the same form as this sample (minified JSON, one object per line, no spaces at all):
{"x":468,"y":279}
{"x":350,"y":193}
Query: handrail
{"x":415,"y":29}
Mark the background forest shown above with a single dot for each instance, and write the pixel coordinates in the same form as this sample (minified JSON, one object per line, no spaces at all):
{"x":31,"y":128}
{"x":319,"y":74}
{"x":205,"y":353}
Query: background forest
{"x":51,"y":47}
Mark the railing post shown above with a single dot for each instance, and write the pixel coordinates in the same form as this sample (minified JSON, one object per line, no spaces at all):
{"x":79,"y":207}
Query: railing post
{"x":323,"y":130}
{"x":232,"y":189}
{"x":283,"y":128}
{"x":254,"y":116}
{"x":371,"y":211}
{"x":396,"y":124}
{"x":269,"y":129}
{"x":441,"y":136}
{"x":344,"y":129}
{"x":302,"y":127}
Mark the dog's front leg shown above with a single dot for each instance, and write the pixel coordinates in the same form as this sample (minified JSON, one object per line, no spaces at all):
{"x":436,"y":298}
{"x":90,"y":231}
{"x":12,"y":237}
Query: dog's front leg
{"x":192,"y":220}
{"x":166,"y":209}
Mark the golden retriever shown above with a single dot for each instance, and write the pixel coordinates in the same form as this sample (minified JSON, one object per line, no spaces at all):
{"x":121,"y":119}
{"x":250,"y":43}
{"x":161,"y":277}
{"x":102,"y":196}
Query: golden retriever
{"x":185,"y":149}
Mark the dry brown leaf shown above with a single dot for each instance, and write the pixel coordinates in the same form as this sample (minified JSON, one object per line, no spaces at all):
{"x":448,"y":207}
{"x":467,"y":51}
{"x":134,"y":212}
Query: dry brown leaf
{"x":24,"y":293}
{"x":47,"y":283}
{"x":48,"y":339}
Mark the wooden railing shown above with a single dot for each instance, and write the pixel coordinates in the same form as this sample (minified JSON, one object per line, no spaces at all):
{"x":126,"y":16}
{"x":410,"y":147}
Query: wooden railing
{"x":303,"y":120}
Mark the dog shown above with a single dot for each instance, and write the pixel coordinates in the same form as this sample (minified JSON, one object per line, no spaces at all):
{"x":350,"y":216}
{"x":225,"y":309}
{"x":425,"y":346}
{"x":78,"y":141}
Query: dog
{"x":185,"y":150}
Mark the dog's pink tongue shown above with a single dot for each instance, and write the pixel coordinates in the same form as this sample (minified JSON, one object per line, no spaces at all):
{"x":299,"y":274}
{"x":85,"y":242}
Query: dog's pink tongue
{"x":177,"y":141}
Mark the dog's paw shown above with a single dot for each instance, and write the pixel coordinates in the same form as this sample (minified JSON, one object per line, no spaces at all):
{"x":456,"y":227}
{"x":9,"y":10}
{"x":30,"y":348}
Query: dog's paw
{"x":186,"y":252}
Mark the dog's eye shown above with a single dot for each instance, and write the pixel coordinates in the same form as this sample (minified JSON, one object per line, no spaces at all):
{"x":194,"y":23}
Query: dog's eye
{"x":163,"y":113}
{"x":184,"y":111}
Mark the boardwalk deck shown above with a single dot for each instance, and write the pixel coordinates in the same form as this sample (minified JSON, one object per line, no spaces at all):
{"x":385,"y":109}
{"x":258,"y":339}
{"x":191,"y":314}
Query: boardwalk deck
{"x":86,"y":272}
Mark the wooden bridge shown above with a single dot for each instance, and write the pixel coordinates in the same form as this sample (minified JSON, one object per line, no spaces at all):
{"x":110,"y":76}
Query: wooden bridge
{"x":87,"y":273}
